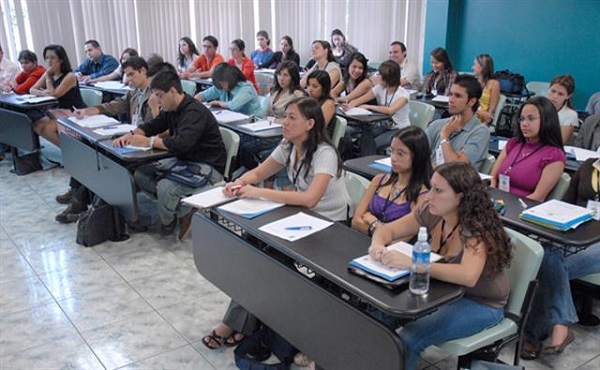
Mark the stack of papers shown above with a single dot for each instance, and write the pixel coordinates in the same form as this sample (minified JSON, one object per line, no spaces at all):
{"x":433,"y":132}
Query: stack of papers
{"x":261,"y":125}
{"x":207,"y":198}
{"x":250,"y":208}
{"x":581,"y":154}
{"x":441,"y":99}
{"x":227,"y":116}
{"x":358,"y":112}
{"x":32,"y":99}
{"x":130,"y":149}
{"x":366,"y":263}
{"x":383,"y":164}
{"x":111,"y":85}
{"x":115,"y":130}
{"x":295,"y":227}
{"x":557,"y":215}
{"x":98,"y":120}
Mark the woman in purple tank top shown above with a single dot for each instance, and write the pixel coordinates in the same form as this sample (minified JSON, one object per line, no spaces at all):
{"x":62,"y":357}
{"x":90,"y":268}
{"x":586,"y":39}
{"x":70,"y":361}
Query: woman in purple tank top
{"x":392,"y":195}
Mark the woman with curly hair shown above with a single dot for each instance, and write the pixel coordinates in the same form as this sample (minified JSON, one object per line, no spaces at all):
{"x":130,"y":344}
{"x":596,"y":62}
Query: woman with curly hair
{"x":467,"y":231}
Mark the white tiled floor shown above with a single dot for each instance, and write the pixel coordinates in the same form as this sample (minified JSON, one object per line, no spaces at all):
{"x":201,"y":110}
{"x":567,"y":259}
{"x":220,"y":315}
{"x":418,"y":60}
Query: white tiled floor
{"x":132,"y":305}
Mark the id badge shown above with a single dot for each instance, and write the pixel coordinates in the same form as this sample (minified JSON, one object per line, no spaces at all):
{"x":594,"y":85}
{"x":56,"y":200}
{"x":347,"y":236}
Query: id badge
{"x":439,"y":156}
{"x":504,"y":182}
{"x":595,"y":207}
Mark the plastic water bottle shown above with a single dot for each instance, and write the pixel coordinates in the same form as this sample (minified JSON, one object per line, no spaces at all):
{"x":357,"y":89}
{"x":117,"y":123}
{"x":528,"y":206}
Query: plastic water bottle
{"x":419,"y":272}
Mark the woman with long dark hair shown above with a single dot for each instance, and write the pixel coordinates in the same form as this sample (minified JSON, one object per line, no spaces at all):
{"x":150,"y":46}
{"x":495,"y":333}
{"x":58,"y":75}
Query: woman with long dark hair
{"x":439,"y":80}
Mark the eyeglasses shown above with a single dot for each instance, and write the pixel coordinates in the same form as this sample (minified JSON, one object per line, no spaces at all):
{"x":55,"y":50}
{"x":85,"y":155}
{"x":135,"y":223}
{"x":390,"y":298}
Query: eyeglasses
{"x":529,"y":118}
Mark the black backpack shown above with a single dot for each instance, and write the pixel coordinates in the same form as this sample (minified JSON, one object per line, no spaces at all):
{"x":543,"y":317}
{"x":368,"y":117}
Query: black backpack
{"x":510,"y":83}
{"x":100,"y":223}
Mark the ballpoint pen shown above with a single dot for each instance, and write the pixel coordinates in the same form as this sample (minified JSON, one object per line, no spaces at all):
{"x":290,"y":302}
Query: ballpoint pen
{"x":298,"y":228}
{"x":523,"y":204}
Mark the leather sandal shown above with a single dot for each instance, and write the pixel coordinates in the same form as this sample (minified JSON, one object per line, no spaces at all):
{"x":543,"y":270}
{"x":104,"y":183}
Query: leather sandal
{"x":558,"y":349}
{"x":213,"y":337}
{"x":234,"y":339}
{"x":530,"y":350}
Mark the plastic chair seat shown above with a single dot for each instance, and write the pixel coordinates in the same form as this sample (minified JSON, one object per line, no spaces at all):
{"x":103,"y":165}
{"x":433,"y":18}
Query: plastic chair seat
{"x":463,"y":346}
{"x":591,"y":278}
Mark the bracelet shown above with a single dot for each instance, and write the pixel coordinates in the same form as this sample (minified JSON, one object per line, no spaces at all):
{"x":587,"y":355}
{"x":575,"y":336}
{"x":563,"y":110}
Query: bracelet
{"x":444,"y":141}
{"x":372,"y":226}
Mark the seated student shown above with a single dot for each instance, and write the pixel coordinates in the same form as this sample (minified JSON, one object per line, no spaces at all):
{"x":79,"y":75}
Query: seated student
{"x":314,"y":168}
{"x":134,"y":104}
{"x":8,"y":71}
{"x":393,"y":195}
{"x":31,"y":73}
{"x":560,"y":93}
{"x":324,"y":61}
{"x":187,"y":53}
{"x":355,"y":83}
{"x":193,"y":136}
{"x":96,"y":65}
{"x":264,"y":52}
{"x":593,"y":105}
{"x":240,"y":60}
{"x":287,"y":53}
{"x":466,"y":230}
{"x":552,"y":310}
{"x":532,"y":161}
{"x":392,"y":100}
{"x":319,"y":88}
{"x":341,"y":50}
{"x":589,"y":133}
{"x":483,"y":69}
{"x":442,"y":75}
{"x":462,"y":137}
{"x":409,"y":72}
{"x":231,"y":91}
{"x":205,"y":64}
{"x":117,"y":74}
{"x":60,"y":82}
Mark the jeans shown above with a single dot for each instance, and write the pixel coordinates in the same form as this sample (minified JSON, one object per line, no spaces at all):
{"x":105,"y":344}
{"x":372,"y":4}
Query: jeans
{"x":456,"y":320}
{"x":168,"y":193}
{"x":553,"y":304}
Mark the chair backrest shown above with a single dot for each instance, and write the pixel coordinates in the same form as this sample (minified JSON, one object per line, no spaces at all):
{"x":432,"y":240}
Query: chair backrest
{"x":339,"y":130}
{"x":538,"y":87}
{"x":355,"y":186}
{"x":526,"y":261}
{"x":499,"y":108}
{"x":264,"y":104}
{"x":91,"y":97}
{"x":232,"y":144}
{"x":373,"y":65}
{"x":420,"y":114}
{"x":189,"y":87}
{"x":560,"y":188}
{"x":264,"y":81}
{"x":487,"y":164}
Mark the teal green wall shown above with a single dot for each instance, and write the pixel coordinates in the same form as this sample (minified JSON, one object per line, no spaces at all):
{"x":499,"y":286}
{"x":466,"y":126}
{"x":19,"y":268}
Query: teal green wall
{"x":536,"y":38}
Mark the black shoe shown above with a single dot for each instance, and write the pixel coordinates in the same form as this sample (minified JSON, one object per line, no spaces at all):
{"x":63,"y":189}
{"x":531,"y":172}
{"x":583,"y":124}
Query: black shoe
{"x":136,"y":226}
{"x":167,"y":229}
{"x":72,"y":213}
{"x":67,"y":197}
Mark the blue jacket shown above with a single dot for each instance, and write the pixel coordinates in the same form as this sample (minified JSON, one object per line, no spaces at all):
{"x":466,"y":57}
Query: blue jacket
{"x":105,"y":65}
{"x":242,"y":98}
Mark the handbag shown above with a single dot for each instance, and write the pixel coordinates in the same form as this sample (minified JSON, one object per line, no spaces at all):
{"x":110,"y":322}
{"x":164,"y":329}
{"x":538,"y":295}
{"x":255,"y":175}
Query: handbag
{"x":191,"y":174}
{"x":510,"y":83}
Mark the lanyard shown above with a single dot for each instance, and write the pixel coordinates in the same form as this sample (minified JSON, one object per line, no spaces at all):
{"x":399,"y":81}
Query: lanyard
{"x":388,"y":103}
{"x":297,"y":174}
{"x":389,"y":202}
{"x":518,"y":160}
{"x":444,"y":240}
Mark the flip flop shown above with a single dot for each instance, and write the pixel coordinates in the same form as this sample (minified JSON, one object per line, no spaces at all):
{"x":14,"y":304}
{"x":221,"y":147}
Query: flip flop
{"x":213,"y":337}
{"x":232,"y":341}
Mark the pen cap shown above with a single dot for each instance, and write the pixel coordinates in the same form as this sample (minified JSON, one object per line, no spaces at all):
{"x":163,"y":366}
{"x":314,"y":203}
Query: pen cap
{"x":422,"y":234}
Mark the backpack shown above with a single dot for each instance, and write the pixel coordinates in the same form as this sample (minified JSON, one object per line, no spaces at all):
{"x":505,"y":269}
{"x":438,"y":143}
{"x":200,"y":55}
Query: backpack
{"x":100,"y":223}
{"x":258,"y":347}
{"x":192,"y":174}
{"x":510,"y":83}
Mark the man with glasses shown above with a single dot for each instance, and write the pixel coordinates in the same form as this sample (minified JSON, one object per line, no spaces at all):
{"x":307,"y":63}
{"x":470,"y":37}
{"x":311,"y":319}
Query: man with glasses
{"x":462,"y":137}
{"x":205,"y":64}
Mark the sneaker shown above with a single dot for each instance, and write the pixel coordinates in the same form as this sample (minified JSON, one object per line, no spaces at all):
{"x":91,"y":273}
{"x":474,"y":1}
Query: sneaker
{"x":184,"y":225}
{"x":72,"y":213}
{"x":165,"y":230}
{"x":67,"y":197}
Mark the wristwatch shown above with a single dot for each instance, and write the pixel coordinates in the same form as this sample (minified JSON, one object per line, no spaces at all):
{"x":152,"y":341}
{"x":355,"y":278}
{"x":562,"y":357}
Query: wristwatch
{"x":372,"y":226}
{"x":152,"y":138}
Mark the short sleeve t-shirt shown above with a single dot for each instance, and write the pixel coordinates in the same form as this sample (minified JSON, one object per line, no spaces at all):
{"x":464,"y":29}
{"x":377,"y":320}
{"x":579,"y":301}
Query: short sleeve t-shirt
{"x":400,"y":117}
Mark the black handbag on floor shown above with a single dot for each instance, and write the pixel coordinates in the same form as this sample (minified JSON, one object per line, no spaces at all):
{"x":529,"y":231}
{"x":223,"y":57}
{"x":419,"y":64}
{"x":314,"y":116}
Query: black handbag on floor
{"x":99,"y":224}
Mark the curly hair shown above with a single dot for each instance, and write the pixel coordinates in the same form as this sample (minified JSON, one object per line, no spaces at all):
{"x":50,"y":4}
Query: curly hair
{"x":478,"y":219}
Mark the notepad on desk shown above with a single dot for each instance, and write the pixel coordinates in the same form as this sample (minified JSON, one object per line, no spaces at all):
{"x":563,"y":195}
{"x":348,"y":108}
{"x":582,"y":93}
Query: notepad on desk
{"x":261,"y":125}
{"x":227,"y":116}
{"x":94,"y":121}
{"x":295,"y":227}
{"x":581,"y":154}
{"x":383,"y":164}
{"x":356,"y":111}
{"x":441,"y":99}
{"x":115,"y":129}
{"x":367,"y":264}
{"x":130,"y":149}
{"x":557,"y":215}
{"x":250,"y":208}
{"x":111,"y":85}
{"x":207,"y":198}
{"x":33,"y":99}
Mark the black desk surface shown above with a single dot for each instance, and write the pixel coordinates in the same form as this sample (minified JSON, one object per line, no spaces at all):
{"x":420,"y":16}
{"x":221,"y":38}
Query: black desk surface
{"x":328,"y":253}
{"x":105,"y":143}
{"x":117,"y":92}
{"x":437,"y":104}
{"x":11,"y":101}
{"x":369,"y":118}
{"x":361,"y":166}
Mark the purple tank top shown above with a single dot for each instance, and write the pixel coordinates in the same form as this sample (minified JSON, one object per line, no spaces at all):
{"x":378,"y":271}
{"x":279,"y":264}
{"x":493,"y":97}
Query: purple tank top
{"x":386,"y":210}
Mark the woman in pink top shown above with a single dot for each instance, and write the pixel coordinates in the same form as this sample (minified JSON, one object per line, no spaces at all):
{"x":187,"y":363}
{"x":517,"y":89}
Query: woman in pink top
{"x":533,"y":160}
{"x":240,"y":60}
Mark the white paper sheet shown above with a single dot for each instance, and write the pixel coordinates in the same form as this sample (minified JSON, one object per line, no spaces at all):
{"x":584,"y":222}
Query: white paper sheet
{"x":112,"y":85}
{"x":94,"y":121}
{"x":295,"y":227}
{"x":581,"y":154}
{"x":356,"y":111}
{"x":250,"y":208}
{"x":441,"y":99}
{"x":261,"y":125}
{"x":227,"y":116}
{"x":207,"y":198}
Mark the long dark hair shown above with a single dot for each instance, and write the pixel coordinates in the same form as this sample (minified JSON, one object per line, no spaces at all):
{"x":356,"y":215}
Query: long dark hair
{"x":191,"y":47}
{"x":359,"y":57}
{"x":549,"y":133}
{"x":311,"y":109}
{"x":294,"y":72}
{"x":487,"y":67}
{"x":324,"y":80}
{"x":479,"y":221}
{"x":441,"y":55}
{"x":61,"y":53}
{"x":416,"y":140}
{"x":326,"y":45}
{"x":290,"y":42}
{"x":227,"y":73}
{"x":568,"y":83}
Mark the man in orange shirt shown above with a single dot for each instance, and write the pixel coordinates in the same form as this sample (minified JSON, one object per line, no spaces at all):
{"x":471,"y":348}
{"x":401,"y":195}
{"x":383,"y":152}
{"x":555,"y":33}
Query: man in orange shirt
{"x":204,"y":65}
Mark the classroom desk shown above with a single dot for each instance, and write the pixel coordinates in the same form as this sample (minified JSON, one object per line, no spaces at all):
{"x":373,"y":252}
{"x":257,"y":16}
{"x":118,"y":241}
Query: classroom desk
{"x":108,"y":94}
{"x":571,"y":166}
{"x":362,"y":119}
{"x":16,"y":130}
{"x":362,"y":166}
{"x":275,"y":132}
{"x":93,"y":161}
{"x":320,"y":316}
{"x":202,"y":83}
{"x":429,"y":100}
